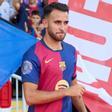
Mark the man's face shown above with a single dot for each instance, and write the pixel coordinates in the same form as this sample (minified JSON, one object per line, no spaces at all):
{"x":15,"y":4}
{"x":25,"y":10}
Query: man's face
{"x":35,"y":19}
{"x":32,"y":1}
{"x":57,"y":24}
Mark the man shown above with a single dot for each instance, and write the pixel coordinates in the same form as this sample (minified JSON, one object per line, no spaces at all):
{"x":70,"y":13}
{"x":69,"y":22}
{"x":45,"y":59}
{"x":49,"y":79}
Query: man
{"x":48,"y":71}
{"x":25,"y":11}
{"x":4,"y":10}
{"x":35,"y":26}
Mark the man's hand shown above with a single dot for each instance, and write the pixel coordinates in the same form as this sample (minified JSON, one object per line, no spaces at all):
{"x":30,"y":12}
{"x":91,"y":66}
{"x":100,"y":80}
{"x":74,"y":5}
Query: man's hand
{"x":75,"y":90}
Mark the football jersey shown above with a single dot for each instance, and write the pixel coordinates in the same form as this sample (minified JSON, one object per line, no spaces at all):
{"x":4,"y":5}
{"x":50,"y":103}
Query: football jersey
{"x":50,"y":69}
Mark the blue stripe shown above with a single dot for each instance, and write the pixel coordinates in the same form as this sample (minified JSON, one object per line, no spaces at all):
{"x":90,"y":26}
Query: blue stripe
{"x":68,"y":55}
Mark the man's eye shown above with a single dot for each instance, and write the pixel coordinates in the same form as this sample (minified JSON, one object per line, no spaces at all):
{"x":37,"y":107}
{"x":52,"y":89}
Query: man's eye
{"x":60,"y":22}
{"x":66,"y":22}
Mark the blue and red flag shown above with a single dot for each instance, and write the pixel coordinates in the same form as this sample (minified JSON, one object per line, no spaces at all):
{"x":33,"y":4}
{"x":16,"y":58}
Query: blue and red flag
{"x":13,"y":44}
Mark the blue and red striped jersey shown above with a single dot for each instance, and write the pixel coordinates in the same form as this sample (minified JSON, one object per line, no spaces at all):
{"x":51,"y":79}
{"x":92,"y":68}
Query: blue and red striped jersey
{"x":47,"y":68}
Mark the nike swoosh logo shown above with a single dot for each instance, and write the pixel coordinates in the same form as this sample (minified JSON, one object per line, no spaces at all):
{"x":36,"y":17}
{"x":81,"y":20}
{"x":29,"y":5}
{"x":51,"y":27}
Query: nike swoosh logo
{"x":49,"y":60}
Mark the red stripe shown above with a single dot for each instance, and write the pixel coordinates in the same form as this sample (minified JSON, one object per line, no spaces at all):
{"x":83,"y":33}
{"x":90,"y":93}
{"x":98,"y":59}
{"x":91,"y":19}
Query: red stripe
{"x":103,"y":12}
{"x":87,"y":35}
{"x":110,"y":79}
{"x":105,"y":63}
{"x":50,"y":1}
{"x":79,"y":69}
{"x":95,"y":104}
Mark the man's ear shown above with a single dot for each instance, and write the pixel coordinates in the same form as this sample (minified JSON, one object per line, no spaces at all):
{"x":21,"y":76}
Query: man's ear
{"x":45,"y":23}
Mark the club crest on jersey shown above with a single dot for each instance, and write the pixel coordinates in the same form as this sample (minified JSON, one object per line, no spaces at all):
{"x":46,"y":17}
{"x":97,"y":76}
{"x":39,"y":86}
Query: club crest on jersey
{"x":27,"y":67}
{"x":62,"y":65}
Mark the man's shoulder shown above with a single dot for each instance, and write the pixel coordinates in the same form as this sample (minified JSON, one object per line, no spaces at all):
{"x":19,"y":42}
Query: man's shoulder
{"x":68,"y":46}
{"x":32,"y":48}
{"x":34,"y":45}
{"x":31,"y":52}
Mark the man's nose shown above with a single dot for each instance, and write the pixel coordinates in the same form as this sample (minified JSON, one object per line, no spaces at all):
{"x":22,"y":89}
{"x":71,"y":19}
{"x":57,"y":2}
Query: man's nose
{"x":62,"y":27}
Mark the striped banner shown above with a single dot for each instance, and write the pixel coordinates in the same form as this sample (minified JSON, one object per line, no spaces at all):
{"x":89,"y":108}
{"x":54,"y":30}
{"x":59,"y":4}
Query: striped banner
{"x":90,"y":31}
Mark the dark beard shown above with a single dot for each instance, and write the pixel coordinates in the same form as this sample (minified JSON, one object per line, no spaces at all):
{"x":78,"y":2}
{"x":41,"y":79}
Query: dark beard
{"x":55,"y":37}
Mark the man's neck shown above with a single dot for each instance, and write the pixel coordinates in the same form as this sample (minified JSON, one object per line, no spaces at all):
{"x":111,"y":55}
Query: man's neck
{"x":52,"y":44}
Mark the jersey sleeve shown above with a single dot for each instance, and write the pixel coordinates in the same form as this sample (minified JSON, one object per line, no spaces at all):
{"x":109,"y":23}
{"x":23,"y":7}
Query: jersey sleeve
{"x":30,"y":67}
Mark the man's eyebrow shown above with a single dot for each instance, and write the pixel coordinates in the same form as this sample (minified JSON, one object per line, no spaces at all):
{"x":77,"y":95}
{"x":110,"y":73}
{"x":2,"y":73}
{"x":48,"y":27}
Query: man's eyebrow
{"x":61,"y":21}
{"x":57,"y":21}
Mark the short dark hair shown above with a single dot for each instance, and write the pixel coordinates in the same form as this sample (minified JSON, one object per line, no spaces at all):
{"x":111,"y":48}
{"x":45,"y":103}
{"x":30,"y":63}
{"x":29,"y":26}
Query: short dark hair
{"x":55,"y":5}
{"x":35,"y":12}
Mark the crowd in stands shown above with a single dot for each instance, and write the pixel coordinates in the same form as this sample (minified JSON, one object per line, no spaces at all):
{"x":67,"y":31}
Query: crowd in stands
{"x":24,"y":14}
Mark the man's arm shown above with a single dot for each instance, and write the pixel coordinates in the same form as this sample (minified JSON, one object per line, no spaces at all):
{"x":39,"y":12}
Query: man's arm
{"x":35,"y":96}
{"x":78,"y":100}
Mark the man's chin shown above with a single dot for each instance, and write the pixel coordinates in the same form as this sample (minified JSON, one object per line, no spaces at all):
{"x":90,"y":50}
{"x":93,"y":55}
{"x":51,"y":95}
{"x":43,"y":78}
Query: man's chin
{"x":60,"y":39}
